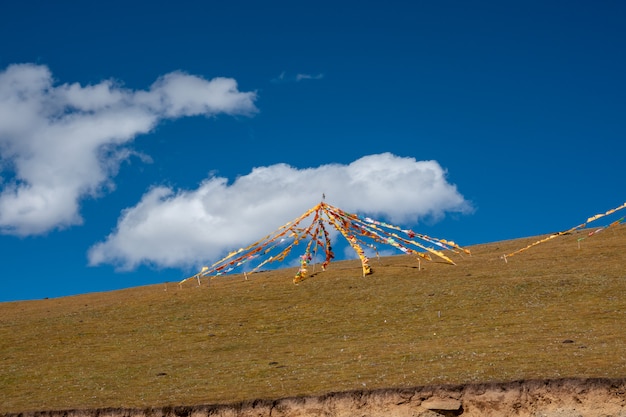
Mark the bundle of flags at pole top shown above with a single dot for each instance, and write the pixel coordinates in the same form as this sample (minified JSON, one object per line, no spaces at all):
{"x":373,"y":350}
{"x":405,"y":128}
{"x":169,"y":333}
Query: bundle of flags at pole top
{"x":357,"y":231}
{"x":580,"y":226}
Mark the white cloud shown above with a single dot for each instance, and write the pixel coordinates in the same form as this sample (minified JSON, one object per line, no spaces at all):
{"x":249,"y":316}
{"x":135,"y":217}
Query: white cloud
{"x":301,"y":77}
{"x":62,"y":143}
{"x":284,"y":78}
{"x":186,"y":228}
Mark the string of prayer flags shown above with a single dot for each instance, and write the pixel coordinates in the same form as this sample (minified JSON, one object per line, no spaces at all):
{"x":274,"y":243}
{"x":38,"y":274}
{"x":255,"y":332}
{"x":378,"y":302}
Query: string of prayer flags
{"x":596,"y":231}
{"x":358,"y":233}
{"x":580,"y":226}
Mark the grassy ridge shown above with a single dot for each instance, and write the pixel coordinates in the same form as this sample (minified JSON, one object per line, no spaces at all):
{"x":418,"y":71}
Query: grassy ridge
{"x":553,"y":311}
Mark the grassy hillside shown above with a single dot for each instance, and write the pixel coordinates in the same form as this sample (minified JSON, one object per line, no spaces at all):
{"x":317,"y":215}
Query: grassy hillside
{"x":553,"y":311}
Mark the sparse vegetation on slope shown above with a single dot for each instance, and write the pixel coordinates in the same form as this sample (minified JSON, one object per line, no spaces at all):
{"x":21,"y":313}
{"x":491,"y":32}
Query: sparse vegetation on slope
{"x":554,"y":312}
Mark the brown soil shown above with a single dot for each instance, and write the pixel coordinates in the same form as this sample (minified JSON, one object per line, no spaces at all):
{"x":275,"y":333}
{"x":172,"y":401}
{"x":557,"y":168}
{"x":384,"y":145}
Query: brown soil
{"x":546,"y":398}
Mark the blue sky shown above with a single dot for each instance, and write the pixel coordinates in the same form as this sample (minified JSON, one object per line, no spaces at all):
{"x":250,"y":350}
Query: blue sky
{"x":141,"y":140}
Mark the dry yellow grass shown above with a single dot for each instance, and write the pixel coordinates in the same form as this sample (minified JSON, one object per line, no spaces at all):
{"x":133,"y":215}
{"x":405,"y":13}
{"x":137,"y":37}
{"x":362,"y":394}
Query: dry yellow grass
{"x":551,"y":312}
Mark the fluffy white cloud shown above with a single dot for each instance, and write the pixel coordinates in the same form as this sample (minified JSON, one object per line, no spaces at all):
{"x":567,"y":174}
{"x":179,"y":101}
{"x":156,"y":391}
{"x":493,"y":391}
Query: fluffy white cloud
{"x":61,"y":143}
{"x":188,"y":227}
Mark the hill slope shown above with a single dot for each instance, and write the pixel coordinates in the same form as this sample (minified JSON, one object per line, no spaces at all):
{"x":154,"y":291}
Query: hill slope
{"x":554,"y":312}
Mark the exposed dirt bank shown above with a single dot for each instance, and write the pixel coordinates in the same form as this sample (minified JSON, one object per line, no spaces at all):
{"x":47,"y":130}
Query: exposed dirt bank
{"x":552,"y":398}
